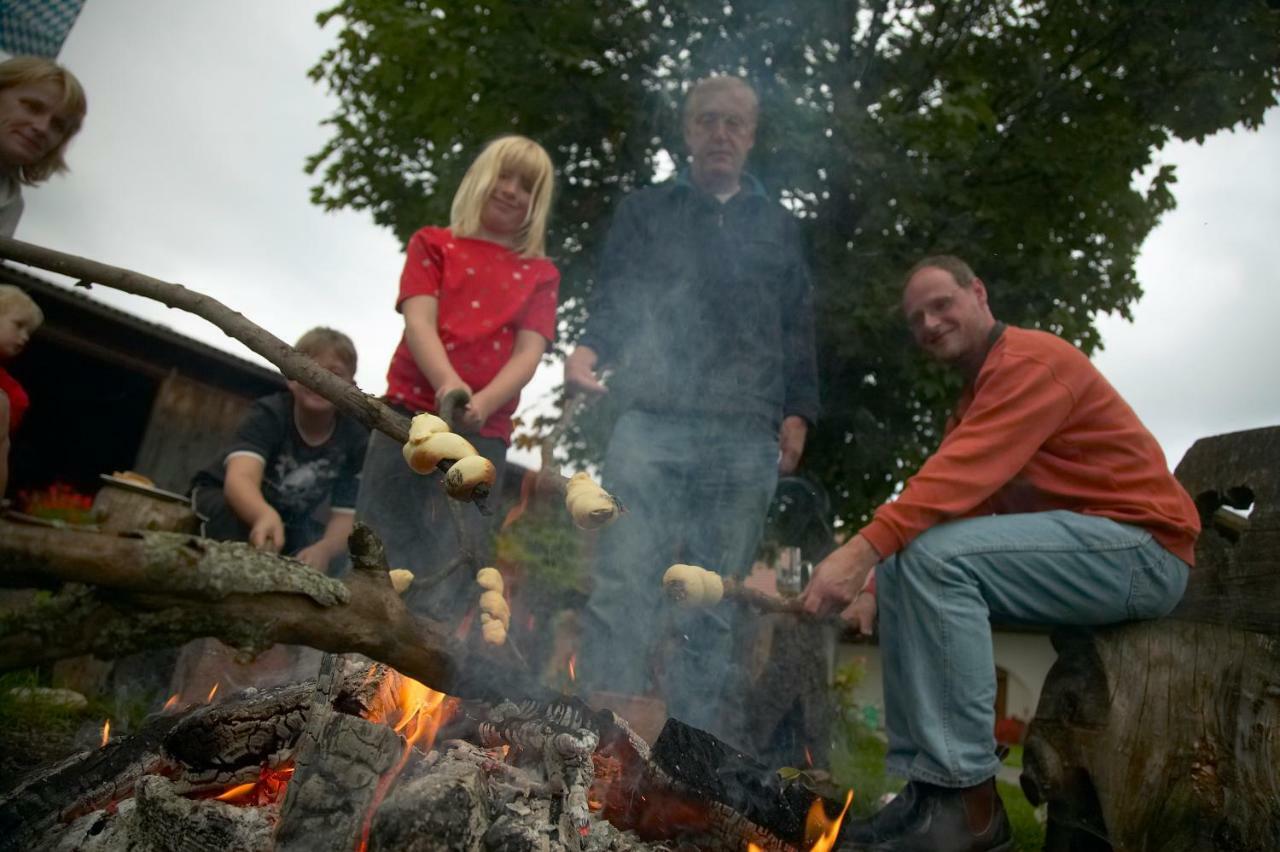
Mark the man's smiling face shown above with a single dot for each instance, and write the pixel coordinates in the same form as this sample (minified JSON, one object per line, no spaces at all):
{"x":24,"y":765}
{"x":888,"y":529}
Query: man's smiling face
{"x":949,"y":322}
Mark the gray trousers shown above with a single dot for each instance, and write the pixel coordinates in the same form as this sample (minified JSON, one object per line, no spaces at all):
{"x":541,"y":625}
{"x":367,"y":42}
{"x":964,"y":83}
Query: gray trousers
{"x":411,"y":513}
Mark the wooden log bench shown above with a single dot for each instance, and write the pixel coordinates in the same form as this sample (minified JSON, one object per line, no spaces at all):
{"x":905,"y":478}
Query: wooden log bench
{"x":1165,"y":735}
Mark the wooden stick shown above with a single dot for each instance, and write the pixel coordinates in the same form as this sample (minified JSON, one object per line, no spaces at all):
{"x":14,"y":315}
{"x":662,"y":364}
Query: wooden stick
{"x":345,"y":396}
{"x":348,"y":398}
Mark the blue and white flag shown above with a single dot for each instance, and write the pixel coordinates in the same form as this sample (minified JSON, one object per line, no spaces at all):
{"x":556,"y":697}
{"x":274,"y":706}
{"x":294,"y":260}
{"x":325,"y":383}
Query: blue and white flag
{"x":36,"y":27}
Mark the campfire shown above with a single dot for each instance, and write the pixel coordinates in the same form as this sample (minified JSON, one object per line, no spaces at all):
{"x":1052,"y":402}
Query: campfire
{"x":365,"y":758}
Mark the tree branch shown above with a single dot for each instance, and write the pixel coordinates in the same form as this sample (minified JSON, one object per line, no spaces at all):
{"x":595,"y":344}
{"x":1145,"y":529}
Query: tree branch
{"x":150,"y":590}
{"x":347,"y":397}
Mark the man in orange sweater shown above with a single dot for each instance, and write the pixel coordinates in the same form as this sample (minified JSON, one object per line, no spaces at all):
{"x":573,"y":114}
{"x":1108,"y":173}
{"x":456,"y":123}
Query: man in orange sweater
{"x":1047,"y":502}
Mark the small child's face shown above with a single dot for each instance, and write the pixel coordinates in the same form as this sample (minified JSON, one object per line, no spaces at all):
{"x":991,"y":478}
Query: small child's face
{"x":311,"y":400}
{"x":15,"y":330}
{"x":507,"y":209}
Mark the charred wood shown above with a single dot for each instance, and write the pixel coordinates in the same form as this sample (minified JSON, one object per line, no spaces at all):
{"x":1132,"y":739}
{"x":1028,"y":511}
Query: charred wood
{"x":701,"y":763}
{"x":444,"y":810}
{"x":159,"y":817}
{"x":207,"y":748}
{"x":338,"y":785}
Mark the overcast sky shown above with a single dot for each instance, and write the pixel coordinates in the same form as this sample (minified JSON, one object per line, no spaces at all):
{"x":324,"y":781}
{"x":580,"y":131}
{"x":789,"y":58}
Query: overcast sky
{"x":190,"y":169}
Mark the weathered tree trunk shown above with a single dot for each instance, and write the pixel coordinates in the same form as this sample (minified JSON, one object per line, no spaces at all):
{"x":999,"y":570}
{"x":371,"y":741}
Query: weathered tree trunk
{"x":1165,"y":735}
{"x":155,"y":590}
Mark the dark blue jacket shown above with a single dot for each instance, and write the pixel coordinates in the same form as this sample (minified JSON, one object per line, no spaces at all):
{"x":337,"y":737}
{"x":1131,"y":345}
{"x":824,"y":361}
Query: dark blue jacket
{"x":705,"y":308}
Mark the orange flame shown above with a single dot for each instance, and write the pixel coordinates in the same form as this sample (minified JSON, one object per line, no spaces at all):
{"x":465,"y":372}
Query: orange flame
{"x":106,"y":733}
{"x":212,"y":693}
{"x":820,"y":830}
{"x":237,"y":792}
{"x":413,"y":710}
{"x":173,"y":699}
{"x":573,"y":670}
{"x":268,"y":788}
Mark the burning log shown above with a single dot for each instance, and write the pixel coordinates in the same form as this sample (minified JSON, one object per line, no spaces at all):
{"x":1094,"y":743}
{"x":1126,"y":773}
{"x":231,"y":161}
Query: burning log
{"x":149,"y":590}
{"x":536,"y":788}
{"x":566,"y":751}
{"x":338,"y":763}
{"x":206,"y":750}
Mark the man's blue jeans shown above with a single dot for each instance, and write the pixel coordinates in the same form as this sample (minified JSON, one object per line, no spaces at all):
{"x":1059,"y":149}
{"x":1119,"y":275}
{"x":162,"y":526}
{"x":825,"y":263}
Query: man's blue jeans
{"x":696,"y":490}
{"x":938,"y":596}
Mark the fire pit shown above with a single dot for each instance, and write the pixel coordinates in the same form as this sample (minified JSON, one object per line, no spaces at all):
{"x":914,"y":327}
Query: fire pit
{"x":366,"y":759}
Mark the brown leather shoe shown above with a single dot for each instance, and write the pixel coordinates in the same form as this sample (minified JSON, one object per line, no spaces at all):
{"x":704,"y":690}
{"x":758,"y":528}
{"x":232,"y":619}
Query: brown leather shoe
{"x":970,"y":819}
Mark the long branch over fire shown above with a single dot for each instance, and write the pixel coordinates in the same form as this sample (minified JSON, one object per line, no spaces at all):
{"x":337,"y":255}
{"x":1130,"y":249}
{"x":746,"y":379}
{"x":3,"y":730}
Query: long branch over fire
{"x":293,"y":364}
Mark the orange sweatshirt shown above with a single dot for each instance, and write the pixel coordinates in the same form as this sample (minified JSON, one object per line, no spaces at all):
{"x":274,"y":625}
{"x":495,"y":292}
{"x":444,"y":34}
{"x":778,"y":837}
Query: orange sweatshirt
{"x":1040,"y":429}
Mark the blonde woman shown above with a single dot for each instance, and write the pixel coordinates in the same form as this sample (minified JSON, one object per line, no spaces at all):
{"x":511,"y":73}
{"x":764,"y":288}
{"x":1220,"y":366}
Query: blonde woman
{"x":42,"y":106}
{"x":479,"y":306}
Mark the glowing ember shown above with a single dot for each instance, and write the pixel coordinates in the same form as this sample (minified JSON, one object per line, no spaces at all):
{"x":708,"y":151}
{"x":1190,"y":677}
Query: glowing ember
{"x":573,"y":673}
{"x":173,"y":699}
{"x":106,"y":733}
{"x":808,"y":756}
{"x":268,"y":789}
{"x":212,"y":693}
{"x":236,"y":793}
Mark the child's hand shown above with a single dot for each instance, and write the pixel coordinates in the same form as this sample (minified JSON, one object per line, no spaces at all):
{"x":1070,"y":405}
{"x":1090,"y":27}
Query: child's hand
{"x":478,"y":410}
{"x":267,"y":533}
{"x":316,"y":556}
{"x":449,"y":398}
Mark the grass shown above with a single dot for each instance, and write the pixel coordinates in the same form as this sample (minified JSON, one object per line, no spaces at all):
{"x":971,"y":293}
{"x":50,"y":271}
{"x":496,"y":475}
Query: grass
{"x":857,"y":761}
{"x":35,"y":731}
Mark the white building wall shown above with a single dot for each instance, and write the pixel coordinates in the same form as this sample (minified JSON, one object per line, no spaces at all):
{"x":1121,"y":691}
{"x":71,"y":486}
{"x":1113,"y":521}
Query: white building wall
{"x":1026,"y":657}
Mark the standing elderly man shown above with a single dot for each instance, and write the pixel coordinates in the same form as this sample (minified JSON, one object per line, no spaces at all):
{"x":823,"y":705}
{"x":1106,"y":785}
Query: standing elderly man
{"x":703,"y":313}
{"x":1047,"y":502}
{"x":41,"y":107}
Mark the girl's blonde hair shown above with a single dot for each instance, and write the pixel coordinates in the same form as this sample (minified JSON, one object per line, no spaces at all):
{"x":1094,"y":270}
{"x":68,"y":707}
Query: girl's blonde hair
{"x":530,"y":162}
{"x":73,"y":106}
{"x":14,"y":300}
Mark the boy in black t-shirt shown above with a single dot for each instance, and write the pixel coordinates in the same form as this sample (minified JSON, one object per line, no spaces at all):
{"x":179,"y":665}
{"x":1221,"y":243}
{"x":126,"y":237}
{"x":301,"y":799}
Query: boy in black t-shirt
{"x":293,"y":455}
{"x":293,"y":458}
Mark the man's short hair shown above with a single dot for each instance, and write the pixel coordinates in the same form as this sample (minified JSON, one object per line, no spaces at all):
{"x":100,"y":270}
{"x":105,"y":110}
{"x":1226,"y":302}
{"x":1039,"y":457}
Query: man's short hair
{"x":720,"y":83}
{"x":960,"y":271}
{"x":320,"y":340}
{"x":73,"y":106}
{"x":14,"y":300}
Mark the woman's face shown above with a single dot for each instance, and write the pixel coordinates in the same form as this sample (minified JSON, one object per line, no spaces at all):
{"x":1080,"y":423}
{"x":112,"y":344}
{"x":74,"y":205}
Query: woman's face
{"x":31,"y":124}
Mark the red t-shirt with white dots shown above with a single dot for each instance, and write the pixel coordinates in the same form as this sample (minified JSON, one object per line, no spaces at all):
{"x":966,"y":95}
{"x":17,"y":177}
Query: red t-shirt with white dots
{"x":486,"y":294}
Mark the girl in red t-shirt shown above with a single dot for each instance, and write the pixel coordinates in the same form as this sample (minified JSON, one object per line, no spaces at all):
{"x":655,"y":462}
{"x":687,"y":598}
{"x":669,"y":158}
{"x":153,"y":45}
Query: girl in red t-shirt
{"x":19,"y":318}
{"x":479,"y":306}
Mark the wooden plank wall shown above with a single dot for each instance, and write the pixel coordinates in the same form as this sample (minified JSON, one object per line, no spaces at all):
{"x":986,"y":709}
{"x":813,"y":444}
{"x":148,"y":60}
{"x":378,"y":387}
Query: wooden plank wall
{"x":190,"y":424}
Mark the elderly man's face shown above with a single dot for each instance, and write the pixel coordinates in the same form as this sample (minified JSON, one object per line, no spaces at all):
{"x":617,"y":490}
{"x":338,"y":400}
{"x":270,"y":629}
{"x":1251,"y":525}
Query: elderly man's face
{"x":720,"y":132}
{"x":949,"y":322}
{"x":31,"y":124}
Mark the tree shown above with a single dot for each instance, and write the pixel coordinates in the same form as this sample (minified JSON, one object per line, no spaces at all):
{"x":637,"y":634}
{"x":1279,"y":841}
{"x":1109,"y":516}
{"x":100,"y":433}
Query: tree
{"x":1008,"y":132}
